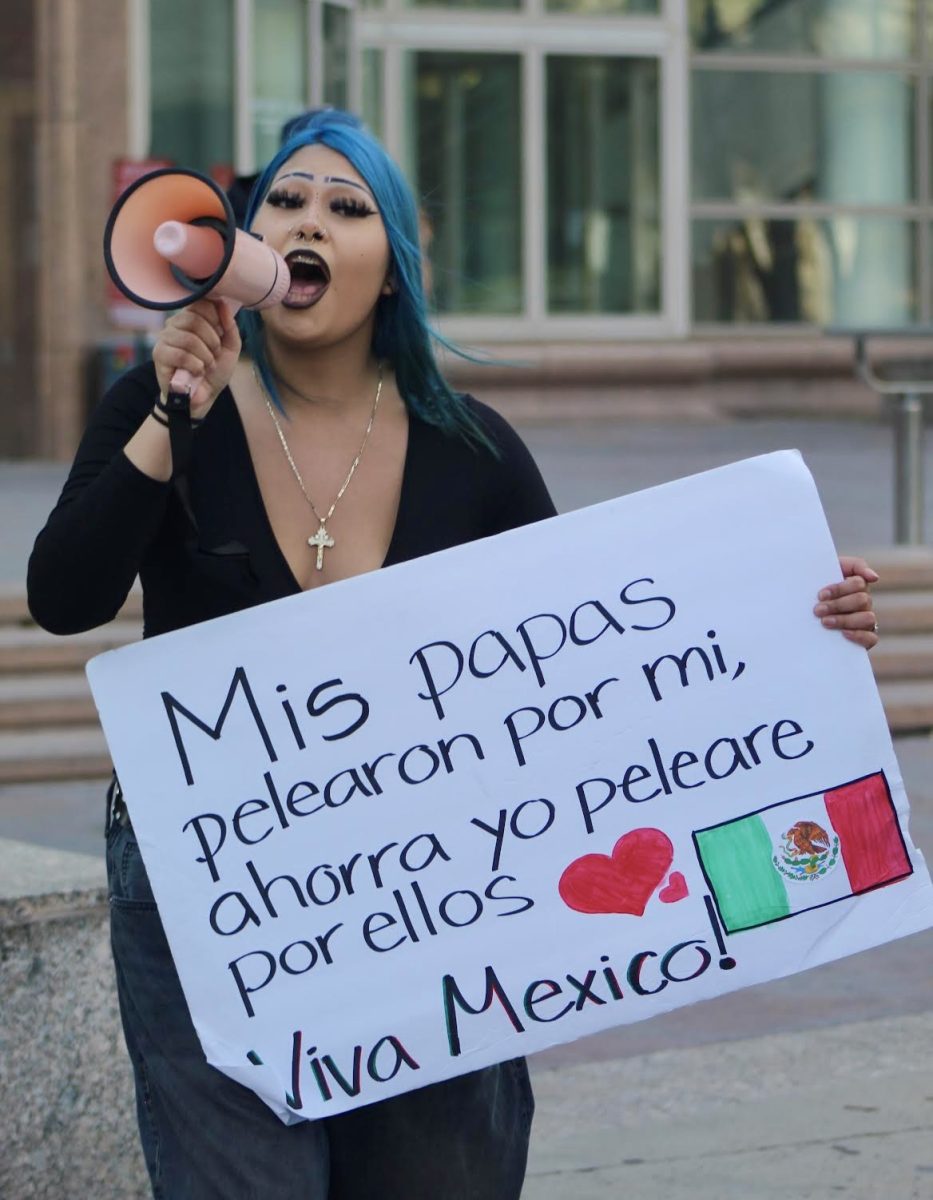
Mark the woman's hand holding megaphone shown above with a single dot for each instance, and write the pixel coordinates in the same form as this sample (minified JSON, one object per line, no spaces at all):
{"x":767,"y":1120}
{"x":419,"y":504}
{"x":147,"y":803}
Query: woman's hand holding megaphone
{"x":203,"y":340}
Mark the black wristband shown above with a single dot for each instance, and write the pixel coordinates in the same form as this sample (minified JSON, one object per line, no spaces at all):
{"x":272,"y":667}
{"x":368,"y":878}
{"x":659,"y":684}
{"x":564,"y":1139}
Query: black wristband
{"x":157,"y":416}
{"x":163,"y":407}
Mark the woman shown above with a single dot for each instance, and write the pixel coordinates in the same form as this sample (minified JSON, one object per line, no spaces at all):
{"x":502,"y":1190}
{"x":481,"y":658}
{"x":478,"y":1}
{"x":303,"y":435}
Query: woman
{"x":331,"y":446}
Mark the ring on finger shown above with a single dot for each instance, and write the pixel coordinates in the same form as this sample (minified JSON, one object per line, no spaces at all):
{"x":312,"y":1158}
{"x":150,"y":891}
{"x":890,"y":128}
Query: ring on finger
{"x":874,"y":628}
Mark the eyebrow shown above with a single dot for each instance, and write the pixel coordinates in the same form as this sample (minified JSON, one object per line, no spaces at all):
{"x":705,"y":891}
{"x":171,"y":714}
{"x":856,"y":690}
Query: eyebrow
{"x":325,"y":179}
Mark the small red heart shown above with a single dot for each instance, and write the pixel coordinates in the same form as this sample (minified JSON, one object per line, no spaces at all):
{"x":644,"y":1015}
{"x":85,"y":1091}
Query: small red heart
{"x":676,"y":889}
{"x":623,"y":882}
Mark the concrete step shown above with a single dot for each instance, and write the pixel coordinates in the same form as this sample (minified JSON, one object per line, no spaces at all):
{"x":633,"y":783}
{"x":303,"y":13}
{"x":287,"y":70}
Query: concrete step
{"x":25,"y":648}
{"x":904,"y":612}
{"x":13,"y":607}
{"x":42,"y":700}
{"x":908,"y":705}
{"x":52,"y":754}
{"x":901,"y":568}
{"x":903,"y":656}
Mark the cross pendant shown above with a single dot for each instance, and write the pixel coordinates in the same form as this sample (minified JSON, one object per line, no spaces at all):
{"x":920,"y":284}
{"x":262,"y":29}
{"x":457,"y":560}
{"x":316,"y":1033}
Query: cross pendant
{"x":322,"y":540}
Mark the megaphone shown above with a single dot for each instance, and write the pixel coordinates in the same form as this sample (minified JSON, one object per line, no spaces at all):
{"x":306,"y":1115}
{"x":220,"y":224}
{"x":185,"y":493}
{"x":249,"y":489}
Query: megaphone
{"x":172,"y":239}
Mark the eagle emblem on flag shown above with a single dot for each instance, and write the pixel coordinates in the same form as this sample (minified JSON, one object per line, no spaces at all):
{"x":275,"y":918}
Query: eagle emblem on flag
{"x":806,"y":852}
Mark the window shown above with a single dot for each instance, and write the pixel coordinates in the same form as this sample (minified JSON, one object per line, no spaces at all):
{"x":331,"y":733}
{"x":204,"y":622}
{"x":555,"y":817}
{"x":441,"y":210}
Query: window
{"x":603,"y":202}
{"x":807,"y":185}
{"x":845,"y":137}
{"x":280,"y":54}
{"x":829,"y":28}
{"x":191,"y":106}
{"x":447,"y":4}
{"x":840,"y":270}
{"x":373,"y":82}
{"x":598,"y":7}
{"x":465,"y":116}
{"x":336,"y":56}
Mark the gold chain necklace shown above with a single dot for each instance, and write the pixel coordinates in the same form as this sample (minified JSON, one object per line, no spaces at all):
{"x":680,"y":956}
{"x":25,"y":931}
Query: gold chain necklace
{"x":322,"y":540}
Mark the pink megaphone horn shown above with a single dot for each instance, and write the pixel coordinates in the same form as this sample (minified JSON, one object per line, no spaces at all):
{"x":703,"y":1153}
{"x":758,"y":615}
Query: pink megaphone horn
{"x":172,"y":239}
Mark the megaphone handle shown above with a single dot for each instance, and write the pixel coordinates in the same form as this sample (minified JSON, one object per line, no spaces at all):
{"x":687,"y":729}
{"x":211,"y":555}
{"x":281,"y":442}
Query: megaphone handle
{"x":180,"y":428}
{"x":184,"y":381}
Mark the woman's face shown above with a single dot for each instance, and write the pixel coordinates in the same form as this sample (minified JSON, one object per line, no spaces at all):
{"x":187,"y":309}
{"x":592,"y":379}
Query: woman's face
{"x":322,"y":218}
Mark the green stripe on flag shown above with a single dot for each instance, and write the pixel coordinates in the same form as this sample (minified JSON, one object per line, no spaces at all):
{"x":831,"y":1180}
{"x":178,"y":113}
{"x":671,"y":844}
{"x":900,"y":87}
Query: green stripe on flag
{"x":737,"y":861}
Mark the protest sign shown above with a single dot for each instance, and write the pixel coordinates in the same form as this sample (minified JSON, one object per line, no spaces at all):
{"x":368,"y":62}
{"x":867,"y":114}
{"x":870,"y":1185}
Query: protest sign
{"x":471,"y":806}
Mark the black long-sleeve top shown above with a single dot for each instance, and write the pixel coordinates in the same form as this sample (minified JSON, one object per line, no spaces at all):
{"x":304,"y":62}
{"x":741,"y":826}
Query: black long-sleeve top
{"x":112,"y":522}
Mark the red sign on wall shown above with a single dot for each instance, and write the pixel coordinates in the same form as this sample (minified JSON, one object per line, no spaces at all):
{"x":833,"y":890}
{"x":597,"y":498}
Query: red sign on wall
{"x":123,"y":312}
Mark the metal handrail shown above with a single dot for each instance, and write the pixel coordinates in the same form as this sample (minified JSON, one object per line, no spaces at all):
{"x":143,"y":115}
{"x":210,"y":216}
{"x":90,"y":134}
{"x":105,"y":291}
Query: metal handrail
{"x":908,"y":391}
{"x":893,"y":387}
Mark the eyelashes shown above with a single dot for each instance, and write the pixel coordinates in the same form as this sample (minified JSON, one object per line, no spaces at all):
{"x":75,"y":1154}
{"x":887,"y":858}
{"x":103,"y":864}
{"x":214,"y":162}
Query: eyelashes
{"x":348,"y":206}
{"x":282,"y":198}
{"x":351,"y":207}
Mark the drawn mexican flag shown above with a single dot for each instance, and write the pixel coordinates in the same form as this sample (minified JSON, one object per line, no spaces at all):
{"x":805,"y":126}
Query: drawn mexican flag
{"x":803,"y":853}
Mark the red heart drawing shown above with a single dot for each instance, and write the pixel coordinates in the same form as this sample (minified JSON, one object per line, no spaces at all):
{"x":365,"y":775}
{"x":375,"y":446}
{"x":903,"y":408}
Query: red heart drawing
{"x":623,"y":882}
{"x":676,"y":889}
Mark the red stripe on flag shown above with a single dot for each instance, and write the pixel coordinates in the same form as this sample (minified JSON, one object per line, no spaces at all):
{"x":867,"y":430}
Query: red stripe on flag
{"x":870,"y":839}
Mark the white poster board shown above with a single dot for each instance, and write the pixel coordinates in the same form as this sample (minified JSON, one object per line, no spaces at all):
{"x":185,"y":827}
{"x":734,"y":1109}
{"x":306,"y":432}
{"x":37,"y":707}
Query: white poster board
{"x":478,"y":804}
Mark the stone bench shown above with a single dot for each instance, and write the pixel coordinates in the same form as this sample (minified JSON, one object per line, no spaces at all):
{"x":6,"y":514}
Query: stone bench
{"x":66,"y":1089}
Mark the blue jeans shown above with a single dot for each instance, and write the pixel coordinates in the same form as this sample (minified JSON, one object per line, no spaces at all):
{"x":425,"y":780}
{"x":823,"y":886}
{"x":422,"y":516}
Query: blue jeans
{"x":206,"y":1137}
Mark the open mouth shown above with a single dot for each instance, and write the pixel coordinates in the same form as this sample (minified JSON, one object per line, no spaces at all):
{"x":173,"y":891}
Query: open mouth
{"x":310,"y":277}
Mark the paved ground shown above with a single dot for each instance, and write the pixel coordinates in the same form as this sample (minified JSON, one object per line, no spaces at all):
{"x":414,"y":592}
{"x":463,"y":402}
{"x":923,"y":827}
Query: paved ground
{"x":816,"y":1086}
{"x":809,"y":1115}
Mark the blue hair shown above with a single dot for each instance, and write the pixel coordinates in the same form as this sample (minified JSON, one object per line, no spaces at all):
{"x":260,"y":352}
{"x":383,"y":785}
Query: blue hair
{"x":402,"y":336}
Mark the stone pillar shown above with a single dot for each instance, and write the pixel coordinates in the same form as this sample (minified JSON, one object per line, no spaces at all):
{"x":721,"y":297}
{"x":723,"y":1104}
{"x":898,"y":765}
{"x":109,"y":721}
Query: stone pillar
{"x":17,"y":229}
{"x":82,"y":126}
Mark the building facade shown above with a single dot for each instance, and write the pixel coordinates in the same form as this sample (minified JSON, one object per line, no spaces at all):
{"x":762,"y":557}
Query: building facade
{"x":605,"y":182}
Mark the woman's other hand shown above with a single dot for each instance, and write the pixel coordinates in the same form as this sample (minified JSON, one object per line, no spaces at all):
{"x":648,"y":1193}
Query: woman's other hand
{"x":202,"y":339}
{"x":847,"y":606}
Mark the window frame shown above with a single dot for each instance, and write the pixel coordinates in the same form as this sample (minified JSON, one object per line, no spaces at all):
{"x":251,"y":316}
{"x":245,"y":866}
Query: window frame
{"x":396,"y":29}
{"x":918,"y":213}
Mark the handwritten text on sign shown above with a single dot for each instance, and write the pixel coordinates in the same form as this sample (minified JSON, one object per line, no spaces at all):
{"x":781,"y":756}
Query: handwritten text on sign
{"x":462,"y":809}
